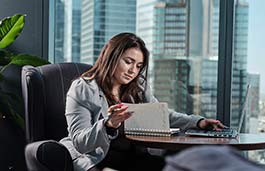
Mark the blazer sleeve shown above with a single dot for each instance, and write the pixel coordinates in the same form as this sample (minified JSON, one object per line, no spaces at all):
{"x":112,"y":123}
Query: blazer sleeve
{"x":176,"y":119}
{"x":87,"y":134}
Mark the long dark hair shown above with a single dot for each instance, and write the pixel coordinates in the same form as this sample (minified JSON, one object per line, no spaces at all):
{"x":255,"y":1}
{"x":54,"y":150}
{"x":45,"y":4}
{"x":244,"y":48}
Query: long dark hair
{"x":107,"y":62}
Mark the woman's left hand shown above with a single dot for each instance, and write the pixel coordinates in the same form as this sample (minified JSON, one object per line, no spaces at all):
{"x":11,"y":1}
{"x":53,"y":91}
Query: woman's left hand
{"x":212,"y":124}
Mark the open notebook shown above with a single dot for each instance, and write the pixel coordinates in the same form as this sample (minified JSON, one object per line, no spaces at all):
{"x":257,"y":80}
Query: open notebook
{"x":151,"y":119}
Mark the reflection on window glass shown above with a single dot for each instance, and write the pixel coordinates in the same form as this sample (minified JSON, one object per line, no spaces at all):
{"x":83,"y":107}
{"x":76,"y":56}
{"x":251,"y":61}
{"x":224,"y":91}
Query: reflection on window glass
{"x":182,"y":37}
{"x":248,"y":69}
{"x":82,"y":27}
{"x":239,"y":78}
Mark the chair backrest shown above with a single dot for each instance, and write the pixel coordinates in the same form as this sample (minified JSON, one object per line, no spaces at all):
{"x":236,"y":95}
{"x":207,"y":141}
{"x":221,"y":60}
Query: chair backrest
{"x":44,"y":91}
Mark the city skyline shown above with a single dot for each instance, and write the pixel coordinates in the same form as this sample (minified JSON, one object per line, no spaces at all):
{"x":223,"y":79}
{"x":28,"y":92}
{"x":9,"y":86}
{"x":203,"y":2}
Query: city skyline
{"x":256,"y":58}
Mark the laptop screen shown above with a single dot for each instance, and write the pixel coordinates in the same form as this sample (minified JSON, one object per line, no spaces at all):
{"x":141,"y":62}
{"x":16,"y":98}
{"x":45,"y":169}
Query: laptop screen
{"x":244,"y":110}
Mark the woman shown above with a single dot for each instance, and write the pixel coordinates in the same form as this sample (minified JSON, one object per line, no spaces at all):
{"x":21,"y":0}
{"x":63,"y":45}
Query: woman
{"x":95,"y":114}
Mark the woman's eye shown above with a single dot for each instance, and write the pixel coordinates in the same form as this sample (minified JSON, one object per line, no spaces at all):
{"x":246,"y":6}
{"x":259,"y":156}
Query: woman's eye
{"x":139,"y":66}
{"x":128,"y":61}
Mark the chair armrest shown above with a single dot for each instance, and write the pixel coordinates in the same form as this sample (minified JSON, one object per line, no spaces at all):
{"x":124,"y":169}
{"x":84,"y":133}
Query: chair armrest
{"x":47,"y":155}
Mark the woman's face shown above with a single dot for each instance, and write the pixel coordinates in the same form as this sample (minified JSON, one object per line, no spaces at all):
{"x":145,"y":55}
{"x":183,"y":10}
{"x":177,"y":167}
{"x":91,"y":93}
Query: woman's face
{"x":129,"y":66}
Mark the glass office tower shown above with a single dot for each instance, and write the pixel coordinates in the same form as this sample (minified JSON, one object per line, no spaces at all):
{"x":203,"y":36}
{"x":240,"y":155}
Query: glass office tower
{"x":76,"y":29}
{"x":58,"y":32}
{"x":171,"y":84}
{"x":145,"y":29}
{"x":179,"y":35}
{"x":67,"y":31}
{"x":82,"y":27}
{"x":239,"y":79}
{"x":170,"y":52}
{"x":101,"y":19}
{"x":203,"y":55}
{"x":189,"y":30}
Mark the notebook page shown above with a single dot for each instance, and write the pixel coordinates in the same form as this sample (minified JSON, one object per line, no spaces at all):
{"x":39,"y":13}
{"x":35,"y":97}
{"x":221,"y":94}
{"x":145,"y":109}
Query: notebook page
{"x":148,"y":116}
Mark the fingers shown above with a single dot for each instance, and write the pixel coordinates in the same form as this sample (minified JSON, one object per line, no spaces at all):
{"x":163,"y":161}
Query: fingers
{"x":216,"y":124}
{"x":121,"y":117}
{"x":116,"y":120}
{"x":114,"y":108}
{"x":215,"y":127}
{"x":221,"y":125}
{"x":117,"y":114}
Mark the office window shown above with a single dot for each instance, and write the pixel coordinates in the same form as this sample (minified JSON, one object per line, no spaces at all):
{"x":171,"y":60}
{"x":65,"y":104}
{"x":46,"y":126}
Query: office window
{"x":182,"y":37}
{"x":247,"y":66}
{"x":183,"y":40}
{"x":248,"y":113}
{"x":239,"y":70}
{"x":80,"y":28}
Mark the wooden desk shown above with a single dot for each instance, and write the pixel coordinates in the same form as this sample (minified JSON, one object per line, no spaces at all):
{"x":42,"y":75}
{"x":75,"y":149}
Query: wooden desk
{"x":242,"y":142}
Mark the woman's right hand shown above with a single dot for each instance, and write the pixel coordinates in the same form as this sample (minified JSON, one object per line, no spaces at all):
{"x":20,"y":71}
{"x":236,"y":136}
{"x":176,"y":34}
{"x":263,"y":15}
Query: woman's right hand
{"x":117,"y":114}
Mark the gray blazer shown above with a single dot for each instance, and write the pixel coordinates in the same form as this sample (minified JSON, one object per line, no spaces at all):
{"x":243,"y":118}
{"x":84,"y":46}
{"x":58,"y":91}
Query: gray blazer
{"x":86,"y":109}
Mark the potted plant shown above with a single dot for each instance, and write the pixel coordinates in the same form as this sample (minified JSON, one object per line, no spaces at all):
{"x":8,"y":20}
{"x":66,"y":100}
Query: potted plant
{"x":11,"y":103}
{"x":10,"y":92}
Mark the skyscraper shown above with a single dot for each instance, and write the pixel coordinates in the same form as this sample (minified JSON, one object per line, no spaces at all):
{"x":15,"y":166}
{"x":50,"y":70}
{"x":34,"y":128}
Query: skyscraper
{"x":101,"y":19}
{"x":239,"y":79}
{"x":189,"y":30}
{"x":76,"y":30}
{"x":170,"y":54}
{"x":203,"y":55}
{"x":72,"y":24}
{"x":171,"y":84}
{"x":171,"y":30}
{"x":58,"y":32}
{"x":145,"y":28}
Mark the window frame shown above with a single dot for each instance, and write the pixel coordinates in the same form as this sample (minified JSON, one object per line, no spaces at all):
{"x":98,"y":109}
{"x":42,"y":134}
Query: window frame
{"x":225,"y":61}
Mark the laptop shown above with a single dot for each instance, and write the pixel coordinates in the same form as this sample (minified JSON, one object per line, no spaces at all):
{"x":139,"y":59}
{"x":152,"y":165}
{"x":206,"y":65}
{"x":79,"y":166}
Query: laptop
{"x":226,"y":132}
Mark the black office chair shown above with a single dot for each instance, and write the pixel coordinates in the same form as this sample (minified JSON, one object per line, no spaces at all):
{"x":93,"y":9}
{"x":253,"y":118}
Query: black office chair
{"x":44,"y":91}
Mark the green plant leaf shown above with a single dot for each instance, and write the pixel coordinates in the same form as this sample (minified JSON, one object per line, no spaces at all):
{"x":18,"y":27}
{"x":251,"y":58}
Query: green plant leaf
{"x":25,"y":59}
{"x":5,"y":57}
{"x":10,"y":28}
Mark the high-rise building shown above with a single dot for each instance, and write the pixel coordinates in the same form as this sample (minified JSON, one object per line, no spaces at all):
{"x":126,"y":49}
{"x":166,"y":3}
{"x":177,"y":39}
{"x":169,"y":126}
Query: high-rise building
{"x":239,"y":79}
{"x":179,"y":34}
{"x":170,"y":54}
{"x":171,"y":30}
{"x":203,"y":55}
{"x":203,"y":28}
{"x":76,"y":31}
{"x":144,"y":28}
{"x":58,"y":32}
{"x":208,"y":87}
{"x":72,"y":24}
{"x":102,"y":19}
{"x":67,"y":31}
{"x":171,"y":84}
{"x":145,"y":22}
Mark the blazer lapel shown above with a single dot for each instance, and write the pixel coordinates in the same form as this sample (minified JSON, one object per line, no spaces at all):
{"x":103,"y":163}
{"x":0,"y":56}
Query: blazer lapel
{"x":104,"y":104}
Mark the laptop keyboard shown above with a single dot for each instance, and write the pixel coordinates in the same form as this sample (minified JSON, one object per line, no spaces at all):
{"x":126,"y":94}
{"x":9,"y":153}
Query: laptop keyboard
{"x":227,"y":132}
